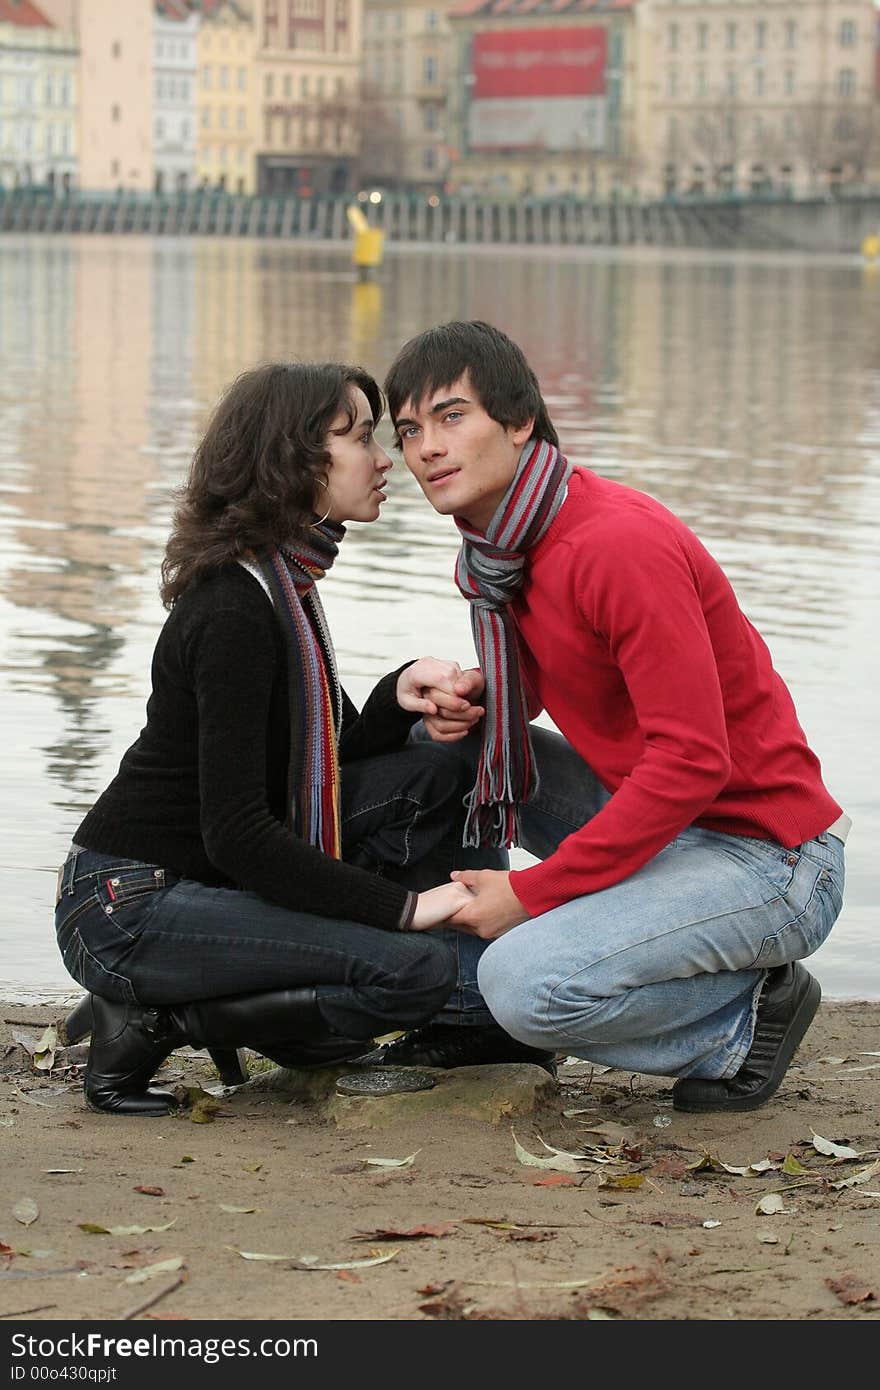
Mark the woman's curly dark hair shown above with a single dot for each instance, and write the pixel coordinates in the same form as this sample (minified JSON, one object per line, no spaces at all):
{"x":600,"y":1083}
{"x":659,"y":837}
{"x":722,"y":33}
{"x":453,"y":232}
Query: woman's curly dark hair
{"x":256,"y":476}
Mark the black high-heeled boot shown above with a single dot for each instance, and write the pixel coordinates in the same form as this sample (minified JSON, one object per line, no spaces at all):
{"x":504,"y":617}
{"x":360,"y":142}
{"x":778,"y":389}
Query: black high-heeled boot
{"x":285,"y":1025}
{"x":229,"y":1061}
{"x":128,"y":1045}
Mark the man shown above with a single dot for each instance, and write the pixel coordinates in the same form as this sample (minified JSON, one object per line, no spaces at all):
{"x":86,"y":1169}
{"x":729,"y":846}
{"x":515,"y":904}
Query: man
{"x":691,"y":854}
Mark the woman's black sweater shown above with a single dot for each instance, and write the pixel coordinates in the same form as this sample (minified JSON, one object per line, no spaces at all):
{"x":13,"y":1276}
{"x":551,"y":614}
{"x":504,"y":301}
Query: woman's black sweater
{"x":202,"y":792}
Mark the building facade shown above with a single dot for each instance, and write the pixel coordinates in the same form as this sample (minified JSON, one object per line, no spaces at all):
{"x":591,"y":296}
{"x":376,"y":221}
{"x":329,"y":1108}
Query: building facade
{"x":38,"y":99}
{"x":175,"y":38}
{"x":754,"y":95}
{"x":406,"y":70}
{"x":308,"y":95}
{"x":116,"y":95}
{"x":226,"y":97}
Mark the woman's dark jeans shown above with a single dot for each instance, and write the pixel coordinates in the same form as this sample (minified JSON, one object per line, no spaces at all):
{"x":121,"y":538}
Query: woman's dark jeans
{"x":131,"y":931}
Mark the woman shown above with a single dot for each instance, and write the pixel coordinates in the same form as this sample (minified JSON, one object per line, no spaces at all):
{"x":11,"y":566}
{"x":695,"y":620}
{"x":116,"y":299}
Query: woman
{"x":252,"y":852}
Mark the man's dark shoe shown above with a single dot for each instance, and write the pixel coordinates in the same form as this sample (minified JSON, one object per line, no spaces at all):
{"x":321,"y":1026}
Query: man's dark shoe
{"x":453,"y":1045}
{"x":786,"y":1009}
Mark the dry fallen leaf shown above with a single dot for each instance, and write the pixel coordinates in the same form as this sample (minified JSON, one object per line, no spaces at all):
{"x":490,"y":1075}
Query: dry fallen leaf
{"x":863,"y":1175}
{"x":140,"y":1276}
{"x":557,"y":1164}
{"x":443,"y":1228}
{"x":849,"y":1289}
{"x":149,"y":1191}
{"x":238,"y":1211}
{"x":831,"y":1150}
{"x":772,"y":1205}
{"x":392,"y":1162}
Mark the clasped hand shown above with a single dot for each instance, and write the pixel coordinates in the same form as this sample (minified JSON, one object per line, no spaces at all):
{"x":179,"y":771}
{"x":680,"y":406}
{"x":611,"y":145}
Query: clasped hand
{"x":478,"y":901}
{"x":444,"y":695}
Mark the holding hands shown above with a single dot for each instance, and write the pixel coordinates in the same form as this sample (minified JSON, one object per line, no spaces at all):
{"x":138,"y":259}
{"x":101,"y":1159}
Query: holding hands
{"x":444,"y":695}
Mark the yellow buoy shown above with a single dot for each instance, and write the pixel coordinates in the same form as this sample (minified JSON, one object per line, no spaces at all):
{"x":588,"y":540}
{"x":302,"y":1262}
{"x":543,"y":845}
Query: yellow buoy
{"x":369,"y":242}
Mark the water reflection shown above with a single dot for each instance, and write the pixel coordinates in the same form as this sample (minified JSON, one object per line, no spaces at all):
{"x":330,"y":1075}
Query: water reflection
{"x":743,"y":393}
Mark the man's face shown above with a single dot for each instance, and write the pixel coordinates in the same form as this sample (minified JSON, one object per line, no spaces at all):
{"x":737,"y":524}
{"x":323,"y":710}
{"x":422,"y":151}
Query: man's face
{"x":461,"y":458}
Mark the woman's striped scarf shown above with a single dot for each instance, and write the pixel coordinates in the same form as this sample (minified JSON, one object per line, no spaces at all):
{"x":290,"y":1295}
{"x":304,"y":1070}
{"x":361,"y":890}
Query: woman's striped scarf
{"x":290,"y":575}
{"x":489,"y":573}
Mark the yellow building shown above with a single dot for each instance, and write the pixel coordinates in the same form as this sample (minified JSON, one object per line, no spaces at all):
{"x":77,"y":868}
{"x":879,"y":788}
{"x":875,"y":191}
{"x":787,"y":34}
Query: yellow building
{"x":544,"y":98}
{"x":226,"y":101}
{"x":38,"y":98}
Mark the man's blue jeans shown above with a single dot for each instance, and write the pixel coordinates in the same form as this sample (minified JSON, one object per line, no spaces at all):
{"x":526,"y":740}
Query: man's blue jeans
{"x":133,"y":932}
{"x":662,"y":972}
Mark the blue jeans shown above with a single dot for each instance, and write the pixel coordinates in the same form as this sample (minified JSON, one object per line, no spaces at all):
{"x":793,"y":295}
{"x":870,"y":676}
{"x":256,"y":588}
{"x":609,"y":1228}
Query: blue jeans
{"x":660,"y":973}
{"x":134,"y":932}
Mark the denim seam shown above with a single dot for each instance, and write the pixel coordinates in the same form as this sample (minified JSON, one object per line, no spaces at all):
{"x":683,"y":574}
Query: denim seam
{"x":378,"y":805}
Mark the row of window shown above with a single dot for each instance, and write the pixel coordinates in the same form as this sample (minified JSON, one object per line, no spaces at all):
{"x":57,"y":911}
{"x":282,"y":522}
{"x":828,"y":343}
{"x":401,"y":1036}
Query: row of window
{"x":322,"y":86}
{"x":376,"y":20}
{"x":734,"y":34}
{"x":175,"y":48}
{"x":57,"y":90}
{"x":376,"y":69}
{"x":223,"y":121}
{"x":224,"y":78}
{"x":294,"y":132}
{"x":182,"y":130}
{"x":24,"y":137}
{"x":172,"y":88}
{"x":846,"y":83}
{"x":705,"y":132}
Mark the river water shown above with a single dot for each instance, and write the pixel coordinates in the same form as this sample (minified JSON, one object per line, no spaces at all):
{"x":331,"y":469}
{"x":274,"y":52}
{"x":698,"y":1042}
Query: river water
{"x":743,"y":391}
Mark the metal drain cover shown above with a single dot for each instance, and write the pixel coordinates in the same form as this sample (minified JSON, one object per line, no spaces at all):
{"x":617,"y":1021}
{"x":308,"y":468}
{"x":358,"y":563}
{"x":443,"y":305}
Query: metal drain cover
{"x":385,"y":1081}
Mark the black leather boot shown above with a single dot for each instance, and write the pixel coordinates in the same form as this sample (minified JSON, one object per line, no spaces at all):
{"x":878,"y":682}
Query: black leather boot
{"x":230,"y":1063}
{"x":285,"y":1025}
{"x":128,"y":1045}
{"x":448,"y":1045}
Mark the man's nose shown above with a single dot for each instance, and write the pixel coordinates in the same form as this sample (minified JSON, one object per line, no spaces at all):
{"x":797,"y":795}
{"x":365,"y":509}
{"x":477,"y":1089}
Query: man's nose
{"x":431,"y":442}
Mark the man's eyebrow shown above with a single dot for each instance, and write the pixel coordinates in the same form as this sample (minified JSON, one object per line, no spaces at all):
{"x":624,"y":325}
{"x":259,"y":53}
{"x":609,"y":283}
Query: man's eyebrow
{"x":435,"y":409}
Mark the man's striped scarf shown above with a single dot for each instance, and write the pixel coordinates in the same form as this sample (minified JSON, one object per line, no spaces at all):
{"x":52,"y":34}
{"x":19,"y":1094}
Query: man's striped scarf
{"x":489,"y":573}
{"x":290,"y":576}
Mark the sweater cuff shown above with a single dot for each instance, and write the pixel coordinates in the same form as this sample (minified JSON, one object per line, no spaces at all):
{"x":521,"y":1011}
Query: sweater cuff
{"x":409,"y":912}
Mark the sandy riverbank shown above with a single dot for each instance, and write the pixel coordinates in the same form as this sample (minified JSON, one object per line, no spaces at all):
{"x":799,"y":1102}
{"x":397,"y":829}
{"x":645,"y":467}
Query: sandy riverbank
{"x":664,"y":1232}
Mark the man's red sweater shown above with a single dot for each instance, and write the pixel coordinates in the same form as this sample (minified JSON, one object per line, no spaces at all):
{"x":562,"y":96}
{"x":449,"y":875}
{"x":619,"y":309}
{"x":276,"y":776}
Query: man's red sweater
{"x":632,"y":639}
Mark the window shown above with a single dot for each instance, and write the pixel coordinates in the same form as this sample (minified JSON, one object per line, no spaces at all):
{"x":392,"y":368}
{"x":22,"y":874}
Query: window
{"x":242,"y":79}
{"x":206,"y":79}
{"x":206,"y":117}
{"x":240,"y":118}
{"x":730,"y":30}
{"x":789,"y":82}
{"x":761,"y":33}
{"x":672,"y":82}
{"x":431,"y":118}
{"x":846,"y":82}
{"x":847,"y":33}
{"x":790,"y":33}
{"x":50,"y":90}
{"x":50,"y":139}
{"x":672,"y":38}
{"x":305,"y":85}
{"x":65,"y":91}
{"x":224,"y":116}
{"x":430,"y":70}
{"x":224,"y":78}
{"x":114,"y":113}
{"x":759,"y":82}
{"x":845,"y":129}
{"x":117,"y":49}
{"x":160,"y":129}
{"x":701,"y":87}
{"x":732,"y":83}
{"x":429,"y":158}
{"x":702,"y":37}
{"x":319,"y":86}
{"x":789,"y":127}
{"x":288,"y":84}
{"x":269,"y":85}
{"x":114,"y":169}
{"x":432,"y":20}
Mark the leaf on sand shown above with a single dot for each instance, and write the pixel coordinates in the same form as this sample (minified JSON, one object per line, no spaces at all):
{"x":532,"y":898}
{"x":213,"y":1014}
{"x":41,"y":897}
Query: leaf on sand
{"x":239,"y":1211}
{"x":312,"y":1261}
{"x":204,"y":1109}
{"x":580,"y":1110}
{"x":140,"y":1276}
{"x":710,"y":1163}
{"x":710,"y":1225}
{"x":557,"y":1164}
{"x":26,"y":1211}
{"x":63,"y":1170}
{"x":767,"y":1238}
{"x":793,"y":1168}
{"x":149,"y":1190}
{"x":442,"y":1228}
{"x":772,"y":1205}
{"x":849,"y":1289}
{"x":92,"y":1228}
{"x":612,"y":1133}
{"x":623,"y":1182}
{"x":831,"y":1150}
{"x":392,"y":1162}
{"x":833,"y":1061}
{"x":863,"y":1175}
{"x":766,"y":1165}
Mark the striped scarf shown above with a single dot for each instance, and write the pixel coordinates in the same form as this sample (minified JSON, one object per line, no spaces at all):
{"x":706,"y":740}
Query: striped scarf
{"x":489,"y":573}
{"x":289,"y":576}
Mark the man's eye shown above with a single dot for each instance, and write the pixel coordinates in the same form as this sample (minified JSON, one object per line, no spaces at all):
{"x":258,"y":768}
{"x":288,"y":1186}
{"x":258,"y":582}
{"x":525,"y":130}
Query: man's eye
{"x":408,"y":431}
{"x":452,"y":415}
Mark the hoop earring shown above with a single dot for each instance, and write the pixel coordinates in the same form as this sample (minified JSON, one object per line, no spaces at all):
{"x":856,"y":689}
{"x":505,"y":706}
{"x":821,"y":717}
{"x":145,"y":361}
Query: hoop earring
{"x":322,"y":519}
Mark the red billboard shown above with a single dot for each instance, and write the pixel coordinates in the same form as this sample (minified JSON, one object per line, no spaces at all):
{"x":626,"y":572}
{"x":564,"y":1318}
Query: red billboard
{"x":538,"y":89}
{"x":540,"y":63}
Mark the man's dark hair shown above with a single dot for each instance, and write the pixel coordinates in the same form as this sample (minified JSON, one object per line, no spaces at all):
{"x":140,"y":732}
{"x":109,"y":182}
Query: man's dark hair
{"x":499,"y":373}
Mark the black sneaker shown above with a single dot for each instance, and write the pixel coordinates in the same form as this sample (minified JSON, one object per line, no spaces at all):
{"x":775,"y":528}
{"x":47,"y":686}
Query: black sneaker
{"x":788,"y":1003}
{"x":452,"y":1045}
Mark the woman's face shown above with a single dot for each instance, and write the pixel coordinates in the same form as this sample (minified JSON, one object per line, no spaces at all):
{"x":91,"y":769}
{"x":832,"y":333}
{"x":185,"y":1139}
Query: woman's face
{"x":356,"y":475}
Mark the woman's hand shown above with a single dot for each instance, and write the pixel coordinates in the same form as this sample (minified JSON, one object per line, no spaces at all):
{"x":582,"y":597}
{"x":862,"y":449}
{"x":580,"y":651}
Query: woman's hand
{"x":457,"y":714}
{"x":435,"y":906}
{"x":492,"y":907}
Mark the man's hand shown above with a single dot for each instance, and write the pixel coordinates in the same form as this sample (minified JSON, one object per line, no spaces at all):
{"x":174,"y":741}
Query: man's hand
{"x":456,"y":714}
{"x":436,"y":906}
{"x":493,"y":907}
{"x":421,"y":685}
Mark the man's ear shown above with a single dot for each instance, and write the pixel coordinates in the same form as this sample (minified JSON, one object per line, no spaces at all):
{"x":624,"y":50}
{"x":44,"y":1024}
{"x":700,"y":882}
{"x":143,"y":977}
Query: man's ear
{"x":521,"y":433}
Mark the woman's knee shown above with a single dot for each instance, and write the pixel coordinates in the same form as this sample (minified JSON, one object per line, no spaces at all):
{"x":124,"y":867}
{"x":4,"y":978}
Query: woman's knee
{"x":424,"y":982}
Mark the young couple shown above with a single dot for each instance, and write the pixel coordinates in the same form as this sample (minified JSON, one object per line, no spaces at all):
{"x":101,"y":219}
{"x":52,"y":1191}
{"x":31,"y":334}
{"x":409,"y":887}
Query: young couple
{"x":272,"y":869}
